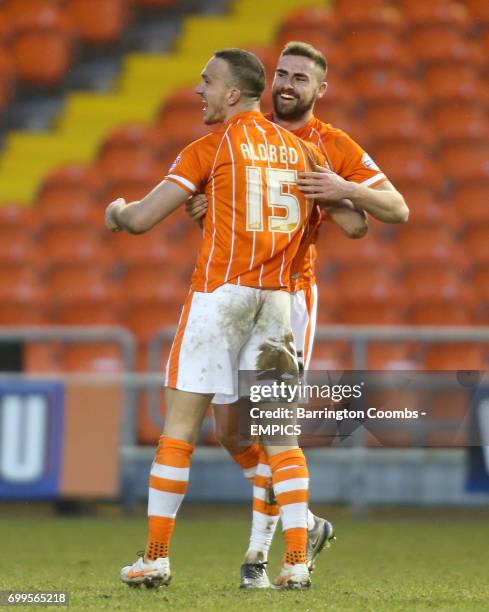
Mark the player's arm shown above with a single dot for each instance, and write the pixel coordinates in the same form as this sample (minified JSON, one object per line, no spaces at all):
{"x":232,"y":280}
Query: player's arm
{"x":140,"y":216}
{"x":351,"y":219}
{"x":382,"y":201}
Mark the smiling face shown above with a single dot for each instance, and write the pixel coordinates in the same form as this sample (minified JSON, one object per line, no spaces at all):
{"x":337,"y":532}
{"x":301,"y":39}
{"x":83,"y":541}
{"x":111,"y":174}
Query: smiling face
{"x":214,"y":87}
{"x":296,"y":86}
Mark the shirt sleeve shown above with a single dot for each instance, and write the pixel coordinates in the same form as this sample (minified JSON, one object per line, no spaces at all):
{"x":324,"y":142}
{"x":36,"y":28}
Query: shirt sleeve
{"x":354,"y":164}
{"x":190,"y":169}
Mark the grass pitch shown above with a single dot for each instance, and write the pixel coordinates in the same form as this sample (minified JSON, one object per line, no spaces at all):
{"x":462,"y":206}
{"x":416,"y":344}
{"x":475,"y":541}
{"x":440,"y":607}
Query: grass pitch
{"x":390,"y":561}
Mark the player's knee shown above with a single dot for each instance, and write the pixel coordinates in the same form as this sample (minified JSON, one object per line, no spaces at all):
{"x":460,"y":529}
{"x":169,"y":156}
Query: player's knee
{"x":232,"y":442}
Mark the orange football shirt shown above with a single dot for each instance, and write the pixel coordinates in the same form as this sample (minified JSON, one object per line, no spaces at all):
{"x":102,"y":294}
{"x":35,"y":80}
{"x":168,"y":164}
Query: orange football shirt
{"x":345,"y":157}
{"x":256,"y":216}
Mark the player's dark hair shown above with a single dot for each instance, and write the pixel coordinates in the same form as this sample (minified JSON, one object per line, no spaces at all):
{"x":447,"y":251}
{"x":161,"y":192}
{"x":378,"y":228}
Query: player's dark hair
{"x":246,"y":70}
{"x":303,"y":49}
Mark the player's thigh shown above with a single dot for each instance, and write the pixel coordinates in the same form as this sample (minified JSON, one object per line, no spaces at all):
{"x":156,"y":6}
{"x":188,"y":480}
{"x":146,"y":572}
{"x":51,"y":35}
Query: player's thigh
{"x":212,"y":329}
{"x":271,"y":344}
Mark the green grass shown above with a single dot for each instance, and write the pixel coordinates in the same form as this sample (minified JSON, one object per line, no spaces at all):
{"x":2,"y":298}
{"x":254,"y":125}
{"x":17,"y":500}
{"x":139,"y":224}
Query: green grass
{"x":427,"y":561}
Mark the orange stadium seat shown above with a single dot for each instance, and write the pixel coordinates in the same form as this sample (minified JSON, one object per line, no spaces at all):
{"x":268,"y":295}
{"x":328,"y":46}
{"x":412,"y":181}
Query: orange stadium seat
{"x":480,"y":280}
{"x":69,"y":206}
{"x":18,"y":217}
{"x":313,"y":17}
{"x":455,"y":50}
{"x":75,"y":245}
{"x":153,"y":286}
{"x":136,"y":134}
{"x":146,"y":319}
{"x":82,"y":288}
{"x":97,"y":313}
{"x":23,"y":314}
{"x":73,"y":175}
{"x":408,"y":162}
{"x":392,"y":356}
{"x":375,"y":18}
{"x":466,"y":162}
{"x":370,"y":48}
{"x":424,"y":283}
{"x":331,"y":356}
{"x":397,"y":123}
{"x":157,"y":3}
{"x":460,"y":121}
{"x":182,"y":99}
{"x":24,"y":290}
{"x":440,"y":12}
{"x":371,"y":313}
{"x":344,"y":251}
{"x":362,"y":281}
{"x":140,"y":181}
{"x":118,"y":161}
{"x":479,"y":10}
{"x":470,"y":202}
{"x":31,"y":13}
{"x":456,"y":356}
{"x":99,"y":21}
{"x":429,"y":245}
{"x":101,"y":358}
{"x":452,"y":83}
{"x":133,"y":250}
{"x":386,"y":84}
{"x":476,"y":243}
{"x":18,"y":247}
{"x":43,"y":45}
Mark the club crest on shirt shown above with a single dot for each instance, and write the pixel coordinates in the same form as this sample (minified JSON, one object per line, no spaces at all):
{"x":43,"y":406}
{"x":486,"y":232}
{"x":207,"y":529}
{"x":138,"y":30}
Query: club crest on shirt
{"x":369,"y":163}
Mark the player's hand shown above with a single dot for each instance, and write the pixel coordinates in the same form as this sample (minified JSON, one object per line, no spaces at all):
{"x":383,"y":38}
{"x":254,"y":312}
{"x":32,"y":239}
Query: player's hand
{"x":110,"y":222}
{"x":324,"y":185}
{"x":197,"y":206}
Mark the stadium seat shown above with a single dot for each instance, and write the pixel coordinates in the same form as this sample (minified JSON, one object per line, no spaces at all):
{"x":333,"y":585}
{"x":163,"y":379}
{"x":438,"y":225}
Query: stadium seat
{"x":459,"y":356}
{"x":75,"y":245}
{"x":134,"y":187}
{"x":469,"y":201}
{"x":146,"y":319}
{"x":69,"y":205}
{"x":153,"y":285}
{"x":133,"y":250}
{"x":396,"y":123}
{"x":459,"y":121}
{"x":455,"y":50}
{"x":366,"y":48}
{"x":87,"y":287}
{"x":313,"y":17}
{"x":344,"y":251}
{"x":18,"y":247}
{"x":376,"y":17}
{"x":95,"y":313}
{"x":466,"y":162}
{"x":476,"y":243}
{"x":23,"y":314}
{"x":452,"y":83}
{"x":453,"y":310}
{"x":363,"y":281}
{"x":392,"y":356}
{"x":18,"y":217}
{"x":439,"y":12}
{"x":43,"y":52}
{"x":23,"y":14}
{"x":386,"y":85}
{"x":24,"y":289}
{"x":318,"y":37}
{"x":479,"y":10}
{"x":427,"y":245}
{"x":135,"y":134}
{"x":424,"y":283}
{"x":74,"y":175}
{"x":480,"y":281}
{"x":331,"y":356}
{"x":100,"y":358}
{"x":99,"y":22}
{"x":407,"y":162}
{"x":157,"y":3}
{"x":119,"y":161}
{"x":371,"y":313}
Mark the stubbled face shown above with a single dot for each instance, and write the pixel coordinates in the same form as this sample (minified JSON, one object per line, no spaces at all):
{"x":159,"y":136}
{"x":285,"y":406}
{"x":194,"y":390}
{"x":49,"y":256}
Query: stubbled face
{"x":213,"y":89}
{"x":296,"y":85}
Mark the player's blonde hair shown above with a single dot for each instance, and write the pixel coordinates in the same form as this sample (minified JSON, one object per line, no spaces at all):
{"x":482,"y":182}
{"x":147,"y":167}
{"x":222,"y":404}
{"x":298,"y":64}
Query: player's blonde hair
{"x":295,"y":47}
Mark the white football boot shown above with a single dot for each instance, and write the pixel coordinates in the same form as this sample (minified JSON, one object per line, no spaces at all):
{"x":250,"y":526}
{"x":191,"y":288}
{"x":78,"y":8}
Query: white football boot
{"x":293,"y":577}
{"x":152,"y":574}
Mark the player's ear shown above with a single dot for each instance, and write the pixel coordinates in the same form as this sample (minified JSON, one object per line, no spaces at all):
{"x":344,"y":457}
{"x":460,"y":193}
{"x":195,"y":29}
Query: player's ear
{"x":322,"y":89}
{"x":234,"y":96}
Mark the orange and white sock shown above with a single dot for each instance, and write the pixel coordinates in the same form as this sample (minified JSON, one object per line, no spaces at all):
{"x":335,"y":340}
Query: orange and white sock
{"x":291,"y":486}
{"x":248,"y":460}
{"x":265,"y":514}
{"x":168,"y":482}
